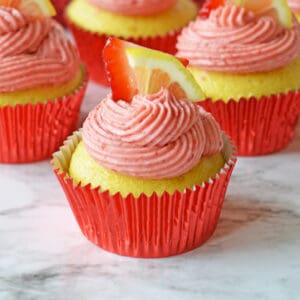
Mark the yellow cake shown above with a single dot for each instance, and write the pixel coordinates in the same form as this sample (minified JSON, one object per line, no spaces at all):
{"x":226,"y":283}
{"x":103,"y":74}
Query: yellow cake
{"x":95,"y":19}
{"x":234,"y":86}
{"x":44,"y":93}
{"x":84,"y":169}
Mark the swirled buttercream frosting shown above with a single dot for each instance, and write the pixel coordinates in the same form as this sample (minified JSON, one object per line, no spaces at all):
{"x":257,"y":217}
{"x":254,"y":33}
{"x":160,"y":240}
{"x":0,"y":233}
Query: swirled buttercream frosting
{"x":155,"y":136}
{"x":134,"y":7}
{"x":233,"y":40}
{"x":294,"y":5}
{"x":33,"y":53}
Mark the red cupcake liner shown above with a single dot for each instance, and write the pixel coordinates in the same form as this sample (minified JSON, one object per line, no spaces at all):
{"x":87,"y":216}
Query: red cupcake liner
{"x":60,"y":7}
{"x":33,"y":132}
{"x":258,"y":126}
{"x":146,"y":226}
{"x":90,"y":46}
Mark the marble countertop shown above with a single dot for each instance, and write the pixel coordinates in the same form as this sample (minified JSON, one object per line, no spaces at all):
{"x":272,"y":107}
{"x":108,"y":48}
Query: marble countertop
{"x":254,"y":253}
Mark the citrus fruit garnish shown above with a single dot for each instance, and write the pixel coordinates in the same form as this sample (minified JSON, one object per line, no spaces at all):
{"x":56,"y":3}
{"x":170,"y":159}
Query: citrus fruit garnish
{"x":277,"y":9}
{"x":132,"y":69}
{"x":32,"y":8}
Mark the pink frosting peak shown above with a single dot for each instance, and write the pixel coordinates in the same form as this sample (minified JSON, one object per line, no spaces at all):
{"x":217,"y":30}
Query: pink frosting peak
{"x":233,"y":40}
{"x":134,"y":7}
{"x":155,"y":136}
{"x":33,"y":53}
{"x":294,"y":5}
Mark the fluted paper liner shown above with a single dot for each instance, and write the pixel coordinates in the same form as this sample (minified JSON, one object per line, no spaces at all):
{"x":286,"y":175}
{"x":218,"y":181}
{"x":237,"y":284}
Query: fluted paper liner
{"x":258,"y":126}
{"x":32,"y":132}
{"x":146,"y":226}
{"x":90,"y":46}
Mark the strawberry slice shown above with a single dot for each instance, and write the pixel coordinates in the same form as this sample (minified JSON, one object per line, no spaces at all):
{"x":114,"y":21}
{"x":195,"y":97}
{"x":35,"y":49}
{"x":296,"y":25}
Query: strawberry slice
{"x":119,"y":73}
{"x":184,"y":61}
{"x":208,"y":6}
{"x":133,"y":69}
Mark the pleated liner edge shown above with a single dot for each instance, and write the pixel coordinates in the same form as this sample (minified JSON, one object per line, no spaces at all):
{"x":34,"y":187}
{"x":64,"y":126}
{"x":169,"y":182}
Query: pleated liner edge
{"x":258,"y":126}
{"x":146,"y":226}
{"x":32,"y":132}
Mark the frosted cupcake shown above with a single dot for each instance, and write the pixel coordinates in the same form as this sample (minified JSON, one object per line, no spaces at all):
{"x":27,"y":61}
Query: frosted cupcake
{"x":155,"y":143}
{"x":140,"y":167}
{"x":41,"y":86}
{"x":249,"y":66}
{"x":154,"y":24}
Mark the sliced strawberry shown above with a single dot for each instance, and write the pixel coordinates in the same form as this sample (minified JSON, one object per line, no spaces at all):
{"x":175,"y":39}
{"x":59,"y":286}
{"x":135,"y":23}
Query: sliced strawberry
{"x":184,"y":61}
{"x":208,"y":6}
{"x":133,"y":69}
{"x":118,"y":71}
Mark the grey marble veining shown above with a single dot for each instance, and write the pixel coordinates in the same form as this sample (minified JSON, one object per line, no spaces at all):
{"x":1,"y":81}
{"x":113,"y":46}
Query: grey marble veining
{"x":254,"y":253}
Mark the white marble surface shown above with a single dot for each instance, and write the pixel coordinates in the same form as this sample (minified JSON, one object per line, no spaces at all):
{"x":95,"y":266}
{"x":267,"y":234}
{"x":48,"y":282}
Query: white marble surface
{"x":254,"y":253}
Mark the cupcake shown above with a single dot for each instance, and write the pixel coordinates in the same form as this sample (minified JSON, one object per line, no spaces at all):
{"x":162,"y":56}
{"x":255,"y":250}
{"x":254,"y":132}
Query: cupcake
{"x":41,"y":86}
{"x":295,"y":7}
{"x":146,"y":176}
{"x":60,"y":7}
{"x":248,"y":64}
{"x":154,"y":24}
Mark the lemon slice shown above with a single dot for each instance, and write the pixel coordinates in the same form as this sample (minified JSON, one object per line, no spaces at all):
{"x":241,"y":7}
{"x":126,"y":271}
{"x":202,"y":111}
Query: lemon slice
{"x":33,"y":8}
{"x":133,"y":69}
{"x":37,"y":8}
{"x":278,"y":9}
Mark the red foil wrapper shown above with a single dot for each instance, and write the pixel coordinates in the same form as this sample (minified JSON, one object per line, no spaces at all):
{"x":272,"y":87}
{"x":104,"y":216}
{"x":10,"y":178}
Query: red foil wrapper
{"x":146,"y":226}
{"x":60,"y":7}
{"x":33,"y":132}
{"x":91,"y":45}
{"x":258,"y":126}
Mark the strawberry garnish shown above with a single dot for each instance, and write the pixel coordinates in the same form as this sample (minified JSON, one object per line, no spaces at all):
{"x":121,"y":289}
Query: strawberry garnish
{"x":184,"y":61}
{"x":208,"y":6}
{"x":118,"y":71}
{"x":133,"y":69}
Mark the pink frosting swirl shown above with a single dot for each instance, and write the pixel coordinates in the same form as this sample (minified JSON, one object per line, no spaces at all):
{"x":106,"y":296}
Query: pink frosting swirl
{"x":155,"y":136}
{"x":294,"y":5}
{"x":134,"y":7}
{"x":233,"y":40}
{"x":33,"y":53}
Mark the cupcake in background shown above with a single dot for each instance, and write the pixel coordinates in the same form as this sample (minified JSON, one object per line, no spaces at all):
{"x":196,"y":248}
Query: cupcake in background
{"x":60,"y":8}
{"x":152,"y":23}
{"x":147,"y":175}
{"x":248,"y":64}
{"x":295,"y":7}
{"x":41,"y":82}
